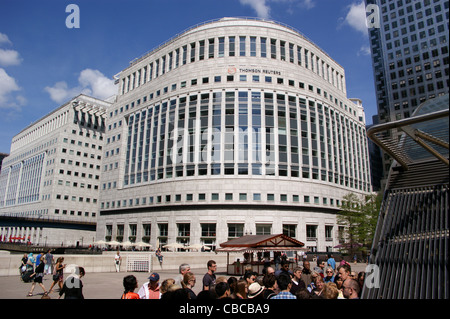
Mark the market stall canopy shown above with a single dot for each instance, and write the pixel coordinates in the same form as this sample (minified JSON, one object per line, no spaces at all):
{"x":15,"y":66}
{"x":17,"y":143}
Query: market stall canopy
{"x":257,"y":243}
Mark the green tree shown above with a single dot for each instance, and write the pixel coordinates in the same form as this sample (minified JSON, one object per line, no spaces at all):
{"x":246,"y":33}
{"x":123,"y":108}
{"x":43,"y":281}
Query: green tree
{"x":359,"y":215}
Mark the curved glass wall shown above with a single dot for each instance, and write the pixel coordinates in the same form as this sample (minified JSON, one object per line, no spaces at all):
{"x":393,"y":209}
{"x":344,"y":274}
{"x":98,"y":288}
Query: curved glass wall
{"x":251,"y":132}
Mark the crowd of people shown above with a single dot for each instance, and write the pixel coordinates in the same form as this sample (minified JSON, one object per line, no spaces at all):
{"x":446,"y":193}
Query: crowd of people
{"x":326,"y":281}
{"x":34,"y":268}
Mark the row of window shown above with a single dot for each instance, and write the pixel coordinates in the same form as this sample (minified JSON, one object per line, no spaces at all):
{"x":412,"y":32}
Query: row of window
{"x":227,"y":46}
{"x":229,"y":78}
{"x":20,"y":183}
{"x":65,"y":212}
{"x":251,"y":127}
{"x":81,"y":199}
{"x":208,"y":232}
{"x":213,"y":197}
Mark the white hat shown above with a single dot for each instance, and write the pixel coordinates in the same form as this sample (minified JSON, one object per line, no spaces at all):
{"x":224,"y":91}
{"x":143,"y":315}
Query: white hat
{"x":254,"y":290}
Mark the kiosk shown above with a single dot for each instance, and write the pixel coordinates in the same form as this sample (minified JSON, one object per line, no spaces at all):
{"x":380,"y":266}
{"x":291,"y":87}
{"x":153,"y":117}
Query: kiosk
{"x":263,"y":246}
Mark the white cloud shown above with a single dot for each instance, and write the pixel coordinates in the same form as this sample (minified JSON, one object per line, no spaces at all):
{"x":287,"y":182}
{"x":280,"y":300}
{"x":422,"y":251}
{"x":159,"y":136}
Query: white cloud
{"x":4,"y":38}
{"x":9,"y":57}
{"x":263,"y":7}
{"x":308,"y":4}
{"x":364,"y":50}
{"x":8,"y":86}
{"x":356,"y":17}
{"x":260,"y":6}
{"x":91,"y":82}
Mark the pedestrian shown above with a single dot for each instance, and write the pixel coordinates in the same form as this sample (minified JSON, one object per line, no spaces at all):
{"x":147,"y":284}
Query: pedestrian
{"x":117,"y":261}
{"x":330,"y":291}
{"x":31,"y":261}
{"x":306,"y":273}
{"x":209,"y":279}
{"x":188,"y":283}
{"x":150,"y":290}
{"x":320,"y":268}
{"x":319,"y":284}
{"x":277,"y":262}
{"x":250,"y":277}
{"x":130,"y":283}
{"x":351,"y":289}
{"x":49,"y":262}
{"x":329,"y":275}
{"x":297,"y":281}
{"x":339,"y":282}
{"x":182,"y":269}
{"x":232,"y":282}
{"x":303,"y":294}
{"x":23,"y":265}
{"x":255,"y":291}
{"x":159,"y":256}
{"x":58,"y":274}
{"x":270,"y":283}
{"x":38,"y":275}
{"x":312,"y":285}
{"x":331,"y":262}
{"x":242,"y":289}
{"x":165,"y":285}
{"x":73,"y":286}
{"x":284,"y":284}
{"x":222,"y":290}
{"x":284,"y":269}
{"x":360,"y":279}
{"x":344,"y":271}
{"x":38,"y":259}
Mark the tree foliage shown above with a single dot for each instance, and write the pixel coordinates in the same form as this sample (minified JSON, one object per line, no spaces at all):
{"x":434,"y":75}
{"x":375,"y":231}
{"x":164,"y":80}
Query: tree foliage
{"x":359,"y":215}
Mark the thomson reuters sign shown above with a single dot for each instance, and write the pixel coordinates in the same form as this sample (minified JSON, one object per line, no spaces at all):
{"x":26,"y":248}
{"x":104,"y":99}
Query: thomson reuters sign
{"x":252,"y":70}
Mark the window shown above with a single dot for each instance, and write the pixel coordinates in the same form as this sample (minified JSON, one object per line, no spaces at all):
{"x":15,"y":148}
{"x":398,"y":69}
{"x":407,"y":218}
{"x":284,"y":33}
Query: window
{"x":289,"y":230}
{"x":263,"y":47}
{"x":208,"y":230}
{"x":221,"y":47}
{"x":231,"y":46}
{"x":311,"y":232}
{"x":242,"y":46}
{"x":252,"y":46}
{"x":235,"y":230}
{"x":263,"y":229}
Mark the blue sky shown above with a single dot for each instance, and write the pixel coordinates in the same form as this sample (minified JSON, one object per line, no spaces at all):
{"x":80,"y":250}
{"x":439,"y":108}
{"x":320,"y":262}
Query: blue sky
{"x":43,"y":64}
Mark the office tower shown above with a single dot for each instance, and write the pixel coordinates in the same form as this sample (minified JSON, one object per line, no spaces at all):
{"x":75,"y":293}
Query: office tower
{"x":49,"y":183}
{"x":233,"y":127}
{"x":410,"y":57}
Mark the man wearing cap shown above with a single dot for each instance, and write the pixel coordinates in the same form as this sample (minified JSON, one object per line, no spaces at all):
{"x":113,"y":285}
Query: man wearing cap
{"x":150,"y":290}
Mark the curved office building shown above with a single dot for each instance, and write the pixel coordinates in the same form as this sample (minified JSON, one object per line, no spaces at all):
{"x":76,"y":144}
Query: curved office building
{"x":235,"y":126}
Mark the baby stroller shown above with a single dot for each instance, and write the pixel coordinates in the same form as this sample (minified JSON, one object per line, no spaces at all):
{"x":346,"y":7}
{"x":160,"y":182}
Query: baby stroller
{"x":26,"y":275}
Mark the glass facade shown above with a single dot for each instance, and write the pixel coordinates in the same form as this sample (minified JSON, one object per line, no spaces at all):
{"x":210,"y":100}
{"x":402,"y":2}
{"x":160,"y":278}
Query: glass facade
{"x":244,"y":133}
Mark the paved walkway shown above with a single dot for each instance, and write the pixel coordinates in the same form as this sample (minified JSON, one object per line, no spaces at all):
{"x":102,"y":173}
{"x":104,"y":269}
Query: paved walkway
{"x":102,"y":285}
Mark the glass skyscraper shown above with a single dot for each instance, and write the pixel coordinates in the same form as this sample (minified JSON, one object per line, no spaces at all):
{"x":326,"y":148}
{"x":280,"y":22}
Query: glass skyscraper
{"x":410,"y":57}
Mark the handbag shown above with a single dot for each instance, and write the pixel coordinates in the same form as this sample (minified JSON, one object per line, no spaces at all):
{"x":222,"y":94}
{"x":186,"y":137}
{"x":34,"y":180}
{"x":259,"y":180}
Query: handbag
{"x":55,"y":275}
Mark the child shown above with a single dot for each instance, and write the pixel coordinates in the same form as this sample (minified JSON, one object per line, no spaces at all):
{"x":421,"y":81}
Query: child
{"x":129,"y":284}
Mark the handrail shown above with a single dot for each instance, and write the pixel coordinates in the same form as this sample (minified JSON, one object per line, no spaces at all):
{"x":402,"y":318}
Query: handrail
{"x":371,"y":133}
